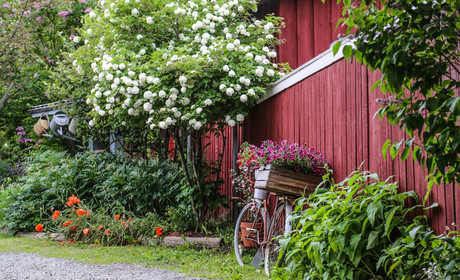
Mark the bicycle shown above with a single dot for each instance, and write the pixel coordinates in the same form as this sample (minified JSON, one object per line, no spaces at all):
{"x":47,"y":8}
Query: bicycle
{"x":254,"y":230}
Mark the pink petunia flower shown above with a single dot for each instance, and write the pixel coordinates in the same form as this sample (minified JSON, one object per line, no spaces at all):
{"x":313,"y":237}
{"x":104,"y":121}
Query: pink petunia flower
{"x":63,"y":14}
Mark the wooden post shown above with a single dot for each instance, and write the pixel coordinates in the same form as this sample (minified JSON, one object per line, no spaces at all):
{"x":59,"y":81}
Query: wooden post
{"x":235,"y":210}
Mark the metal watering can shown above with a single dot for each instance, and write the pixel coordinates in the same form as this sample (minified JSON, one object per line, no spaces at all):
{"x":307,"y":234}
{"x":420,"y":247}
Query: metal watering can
{"x":59,"y":123}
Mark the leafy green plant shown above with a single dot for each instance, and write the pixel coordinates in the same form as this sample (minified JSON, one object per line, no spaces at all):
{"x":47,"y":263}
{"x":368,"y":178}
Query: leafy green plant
{"x":102,"y":181}
{"x":414,"y":44}
{"x":406,"y":257}
{"x":344,"y":230}
{"x":446,"y":253}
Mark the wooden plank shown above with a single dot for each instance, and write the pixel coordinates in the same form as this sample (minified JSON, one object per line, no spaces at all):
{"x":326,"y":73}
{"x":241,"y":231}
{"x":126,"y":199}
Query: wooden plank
{"x":450,"y":204}
{"x":336,"y":14}
{"x":288,"y":52}
{"x":280,"y":180}
{"x":341,"y":147}
{"x":351,"y":94}
{"x":456,"y":188}
{"x":305,"y":32}
{"x":208,"y":242}
{"x":374,"y":131}
{"x":363,"y":119}
{"x":328,"y":110}
{"x":289,"y":115}
{"x":303,"y":108}
{"x":297,"y":121}
{"x":322,"y":26}
{"x":316,"y":113}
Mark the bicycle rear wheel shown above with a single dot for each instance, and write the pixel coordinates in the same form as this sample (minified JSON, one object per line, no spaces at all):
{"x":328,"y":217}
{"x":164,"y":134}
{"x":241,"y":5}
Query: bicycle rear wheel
{"x":278,"y":228}
{"x":249,"y":232}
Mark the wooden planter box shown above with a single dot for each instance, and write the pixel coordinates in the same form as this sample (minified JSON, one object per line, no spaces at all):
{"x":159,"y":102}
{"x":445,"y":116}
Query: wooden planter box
{"x":283,"y":181}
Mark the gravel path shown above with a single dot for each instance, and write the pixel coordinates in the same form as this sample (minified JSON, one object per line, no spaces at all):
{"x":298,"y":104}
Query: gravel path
{"x":15,"y":266}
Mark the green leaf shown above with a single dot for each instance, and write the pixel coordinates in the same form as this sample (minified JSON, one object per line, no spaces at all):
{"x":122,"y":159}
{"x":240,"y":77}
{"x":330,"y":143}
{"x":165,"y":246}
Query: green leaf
{"x":354,"y":241}
{"x":428,"y":190}
{"x":405,"y":153}
{"x":372,"y":240}
{"x":371,"y":211}
{"x":389,"y":221}
{"x":375,"y":85}
{"x":385,"y":148}
{"x":414,"y":231}
{"x":336,"y":47}
{"x":359,"y":56}
{"x":392,"y":267}
{"x":450,"y":266}
{"x":434,"y":205}
{"x":347,"y":51}
{"x":437,"y":252}
{"x":452,"y":103}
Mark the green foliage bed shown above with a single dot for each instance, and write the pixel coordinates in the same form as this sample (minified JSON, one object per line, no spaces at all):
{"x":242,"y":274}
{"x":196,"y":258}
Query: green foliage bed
{"x":102,"y":181}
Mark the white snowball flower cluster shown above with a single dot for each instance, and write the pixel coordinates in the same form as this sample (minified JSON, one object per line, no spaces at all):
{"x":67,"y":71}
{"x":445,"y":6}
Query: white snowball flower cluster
{"x":189,"y":75}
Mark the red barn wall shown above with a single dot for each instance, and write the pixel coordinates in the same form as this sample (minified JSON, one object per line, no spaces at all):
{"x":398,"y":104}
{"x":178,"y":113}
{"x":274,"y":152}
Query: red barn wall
{"x":333,"y":110}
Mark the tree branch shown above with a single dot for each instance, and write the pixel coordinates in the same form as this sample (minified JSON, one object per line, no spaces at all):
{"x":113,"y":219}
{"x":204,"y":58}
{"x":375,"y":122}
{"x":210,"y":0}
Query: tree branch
{"x":2,"y":102}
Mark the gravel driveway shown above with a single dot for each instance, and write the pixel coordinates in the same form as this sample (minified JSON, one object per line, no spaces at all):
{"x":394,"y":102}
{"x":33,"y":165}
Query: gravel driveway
{"x":15,"y":266}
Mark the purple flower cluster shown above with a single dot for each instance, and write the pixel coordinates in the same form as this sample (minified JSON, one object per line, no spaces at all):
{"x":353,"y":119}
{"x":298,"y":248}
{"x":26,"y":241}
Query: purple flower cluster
{"x":287,"y":155}
{"x":22,"y":139}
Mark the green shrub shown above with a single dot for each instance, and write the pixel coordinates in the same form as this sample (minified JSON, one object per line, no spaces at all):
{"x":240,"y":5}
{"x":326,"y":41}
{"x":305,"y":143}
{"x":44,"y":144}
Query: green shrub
{"x":419,"y":254}
{"x":102,"y":181}
{"x":357,"y":229}
{"x":3,"y":169}
{"x":345,"y":229}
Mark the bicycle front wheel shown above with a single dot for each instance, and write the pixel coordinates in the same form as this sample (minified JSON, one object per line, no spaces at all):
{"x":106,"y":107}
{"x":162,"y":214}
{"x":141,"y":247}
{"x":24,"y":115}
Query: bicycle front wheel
{"x":249,"y":232}
{"x":278,"y":228}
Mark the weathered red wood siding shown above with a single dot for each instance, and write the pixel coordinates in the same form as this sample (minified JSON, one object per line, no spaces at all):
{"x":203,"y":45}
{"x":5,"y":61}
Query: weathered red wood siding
{"x":213,"y":149}
{"x":310,"y":29}
{"x":333,"y":111}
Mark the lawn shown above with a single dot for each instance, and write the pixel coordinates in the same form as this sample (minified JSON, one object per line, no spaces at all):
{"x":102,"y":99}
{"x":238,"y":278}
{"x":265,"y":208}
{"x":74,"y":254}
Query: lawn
{"x":191,"y":261}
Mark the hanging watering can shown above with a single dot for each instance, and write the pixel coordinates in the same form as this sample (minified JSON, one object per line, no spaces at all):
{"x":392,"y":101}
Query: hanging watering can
{"x":59,"y":123}
{"x":42,"y":125}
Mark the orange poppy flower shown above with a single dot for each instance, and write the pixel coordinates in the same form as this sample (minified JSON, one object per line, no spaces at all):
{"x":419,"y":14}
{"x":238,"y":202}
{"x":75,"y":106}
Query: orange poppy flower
{"x":159,"y":231}
{"x":39,"y":228}
{"x":87,"y":213}
{"x":57,"y":212}
{"x":106,"y":232}
{"x":117,"y":217}
{"x":86,"y":231}
{"x":80,"y":212}
{"x":74,"y":200}
{"x":55,"y":216}
{"x":65,"y":225}
{"x":70,"y":204}
{"x":61,"y":243}
{"x":69,"y":222}
{"x":73,"y":227}
{"x":100,"y":227}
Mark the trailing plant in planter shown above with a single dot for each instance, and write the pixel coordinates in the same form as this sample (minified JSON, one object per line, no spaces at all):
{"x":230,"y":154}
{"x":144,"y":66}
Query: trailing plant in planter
{"x":290,"y":156}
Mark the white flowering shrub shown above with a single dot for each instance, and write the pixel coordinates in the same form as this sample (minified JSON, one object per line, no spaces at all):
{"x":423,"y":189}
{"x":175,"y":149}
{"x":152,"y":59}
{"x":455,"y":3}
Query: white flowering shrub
{"x":177,"y":63}
{"x":178,"y":66}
